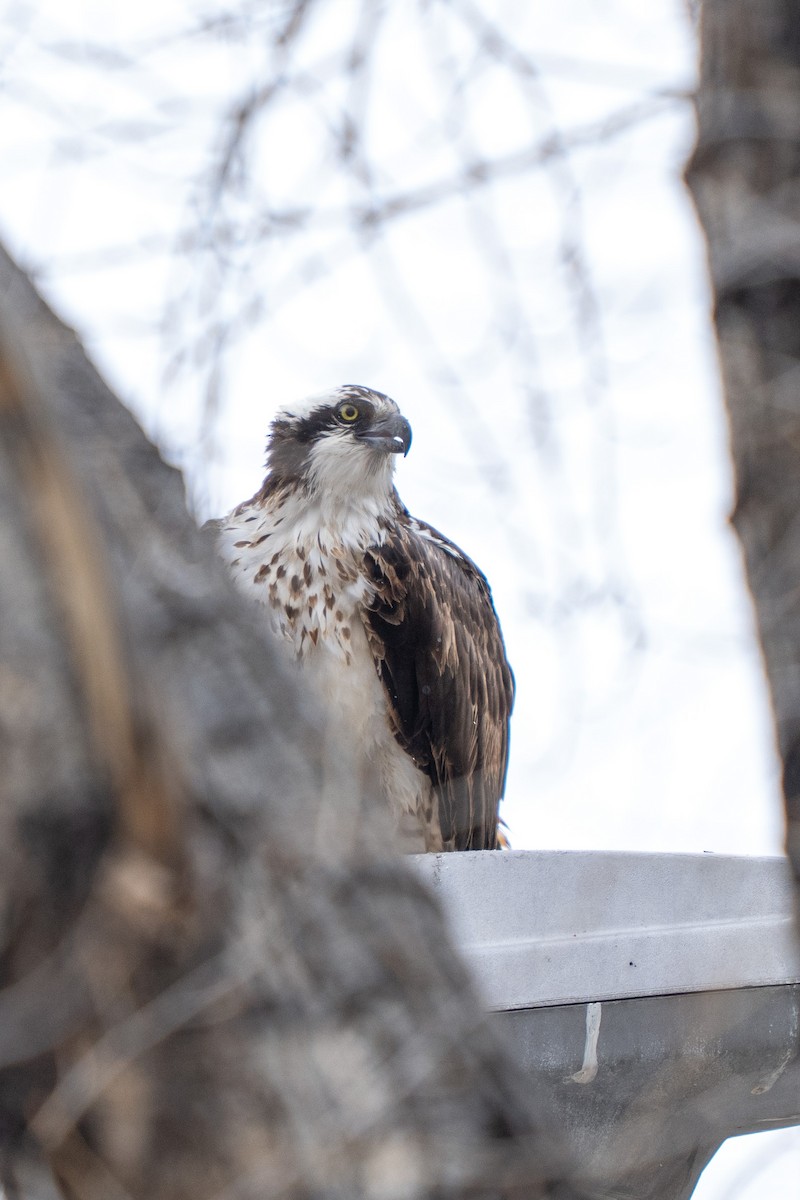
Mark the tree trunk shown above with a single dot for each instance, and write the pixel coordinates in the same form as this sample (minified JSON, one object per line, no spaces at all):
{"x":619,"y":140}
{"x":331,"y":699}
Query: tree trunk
{"x":214,"y":982}
{"x":744,"y":176}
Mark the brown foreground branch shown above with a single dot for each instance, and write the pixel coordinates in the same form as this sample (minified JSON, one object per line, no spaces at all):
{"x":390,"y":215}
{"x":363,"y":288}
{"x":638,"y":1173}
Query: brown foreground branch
{"x":745,"y":180}
{"x":214,"y":984}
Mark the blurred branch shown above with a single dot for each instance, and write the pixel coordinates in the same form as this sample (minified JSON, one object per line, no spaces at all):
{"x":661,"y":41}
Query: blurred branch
{"x":743,"y":176}
{"x":199,"y":996}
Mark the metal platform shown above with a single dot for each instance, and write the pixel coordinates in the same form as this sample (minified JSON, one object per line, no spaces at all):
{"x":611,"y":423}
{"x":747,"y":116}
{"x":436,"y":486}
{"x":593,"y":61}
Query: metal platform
{"x":653,"y":998}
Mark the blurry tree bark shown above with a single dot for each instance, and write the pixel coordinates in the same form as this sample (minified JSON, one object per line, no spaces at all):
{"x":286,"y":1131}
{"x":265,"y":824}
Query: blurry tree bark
{"x":213,"y":983}
{"x":744,"y":176}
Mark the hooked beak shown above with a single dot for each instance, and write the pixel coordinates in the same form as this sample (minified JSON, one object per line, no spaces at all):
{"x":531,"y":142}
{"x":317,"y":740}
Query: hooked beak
{"x":392,"y":435}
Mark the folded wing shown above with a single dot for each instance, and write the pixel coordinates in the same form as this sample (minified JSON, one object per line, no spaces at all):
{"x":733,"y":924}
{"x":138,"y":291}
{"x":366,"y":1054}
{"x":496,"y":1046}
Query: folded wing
{"x":439,"y":652}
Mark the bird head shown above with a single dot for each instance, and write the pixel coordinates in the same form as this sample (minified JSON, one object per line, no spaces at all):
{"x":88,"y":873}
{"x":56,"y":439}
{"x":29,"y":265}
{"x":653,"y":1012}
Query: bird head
{"x":340,"y":445}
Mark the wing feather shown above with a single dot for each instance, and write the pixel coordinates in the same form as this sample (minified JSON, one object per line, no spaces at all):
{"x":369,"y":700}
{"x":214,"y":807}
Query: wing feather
{"x":439,"y":651}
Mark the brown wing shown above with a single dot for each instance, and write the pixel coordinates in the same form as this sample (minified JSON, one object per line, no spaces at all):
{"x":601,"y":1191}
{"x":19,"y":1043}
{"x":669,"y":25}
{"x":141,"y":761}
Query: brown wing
{"x":439,"y":651}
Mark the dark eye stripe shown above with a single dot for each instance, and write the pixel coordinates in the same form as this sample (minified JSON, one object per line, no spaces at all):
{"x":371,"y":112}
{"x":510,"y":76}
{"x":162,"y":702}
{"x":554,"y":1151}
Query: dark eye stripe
{"x":319,"y":420}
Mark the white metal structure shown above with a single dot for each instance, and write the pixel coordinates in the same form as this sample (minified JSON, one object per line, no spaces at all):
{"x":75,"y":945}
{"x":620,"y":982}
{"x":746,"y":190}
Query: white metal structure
{"x":654,"y":999}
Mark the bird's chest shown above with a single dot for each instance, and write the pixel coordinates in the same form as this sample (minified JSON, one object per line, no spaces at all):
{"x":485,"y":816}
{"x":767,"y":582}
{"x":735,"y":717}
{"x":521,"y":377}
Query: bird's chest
{"x":310,"y":581}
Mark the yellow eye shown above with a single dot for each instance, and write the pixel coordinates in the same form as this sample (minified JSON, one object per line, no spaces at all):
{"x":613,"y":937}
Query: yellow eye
{"x":348,"y":413}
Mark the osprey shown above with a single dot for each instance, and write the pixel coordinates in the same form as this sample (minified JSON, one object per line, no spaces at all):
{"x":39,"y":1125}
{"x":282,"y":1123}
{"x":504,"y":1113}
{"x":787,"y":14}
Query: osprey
{"x":394,"y":624}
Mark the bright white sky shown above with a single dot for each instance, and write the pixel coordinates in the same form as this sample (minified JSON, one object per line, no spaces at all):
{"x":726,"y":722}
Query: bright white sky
{"x":579,"y":458}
